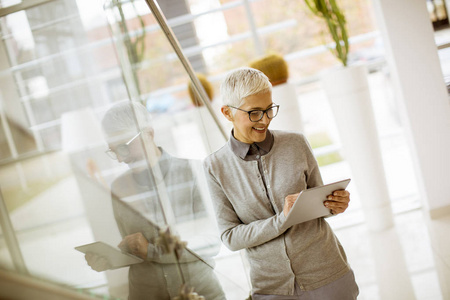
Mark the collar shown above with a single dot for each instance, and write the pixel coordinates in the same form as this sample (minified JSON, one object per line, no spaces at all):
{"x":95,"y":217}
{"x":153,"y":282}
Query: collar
{"x":241,"y":149}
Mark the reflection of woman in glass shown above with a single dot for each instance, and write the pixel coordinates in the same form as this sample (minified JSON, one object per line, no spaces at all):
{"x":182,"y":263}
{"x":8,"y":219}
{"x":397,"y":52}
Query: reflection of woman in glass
{"x":156,"y":176}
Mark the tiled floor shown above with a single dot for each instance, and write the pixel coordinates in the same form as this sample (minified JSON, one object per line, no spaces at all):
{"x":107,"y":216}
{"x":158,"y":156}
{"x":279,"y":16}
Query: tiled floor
{"x":404,"y":262}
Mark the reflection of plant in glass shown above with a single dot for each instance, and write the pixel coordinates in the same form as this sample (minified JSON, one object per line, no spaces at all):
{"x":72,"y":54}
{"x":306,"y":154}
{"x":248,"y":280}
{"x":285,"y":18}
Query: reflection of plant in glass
{"x":136,"y":46}
{"x":329,"y":11}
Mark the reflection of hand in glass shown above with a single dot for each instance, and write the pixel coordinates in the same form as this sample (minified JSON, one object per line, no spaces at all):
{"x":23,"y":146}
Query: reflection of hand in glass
{"x":135,"y":244}
{"x":97,"y":262}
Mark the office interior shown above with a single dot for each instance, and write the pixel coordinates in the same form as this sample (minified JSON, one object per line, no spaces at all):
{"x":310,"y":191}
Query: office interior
{"x":64,"y":63}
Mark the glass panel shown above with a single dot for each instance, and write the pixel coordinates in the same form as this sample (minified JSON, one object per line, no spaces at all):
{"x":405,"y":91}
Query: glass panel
{"x":59,"y":61}
{"x":77,"y":195}
{"x":38,"y":34}
{"x":178,"y":128}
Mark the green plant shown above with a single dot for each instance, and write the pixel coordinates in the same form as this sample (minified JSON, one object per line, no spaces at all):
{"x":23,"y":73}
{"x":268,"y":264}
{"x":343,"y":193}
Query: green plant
{"x":329,"y":11}
{"x":135,"y":46}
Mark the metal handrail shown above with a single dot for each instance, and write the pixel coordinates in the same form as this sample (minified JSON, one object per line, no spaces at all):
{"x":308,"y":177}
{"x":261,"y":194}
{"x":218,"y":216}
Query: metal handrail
{"x":196,"y":85}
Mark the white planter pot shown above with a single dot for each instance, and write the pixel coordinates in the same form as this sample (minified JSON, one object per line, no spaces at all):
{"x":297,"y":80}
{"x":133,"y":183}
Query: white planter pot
{"x":348,"y":93}
{"x":289,"y":116}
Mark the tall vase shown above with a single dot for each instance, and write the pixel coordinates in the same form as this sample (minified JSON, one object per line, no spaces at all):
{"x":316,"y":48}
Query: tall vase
{"x":347,"y":90}
{"x":289,"y":116}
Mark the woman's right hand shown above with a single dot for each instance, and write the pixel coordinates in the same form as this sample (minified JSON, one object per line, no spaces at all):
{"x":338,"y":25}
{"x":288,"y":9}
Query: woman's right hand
{"x":289,"y":202}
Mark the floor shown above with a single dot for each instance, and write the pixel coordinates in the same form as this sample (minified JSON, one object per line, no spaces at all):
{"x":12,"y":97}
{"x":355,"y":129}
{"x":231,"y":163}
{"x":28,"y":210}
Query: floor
{"x":404,"y":262}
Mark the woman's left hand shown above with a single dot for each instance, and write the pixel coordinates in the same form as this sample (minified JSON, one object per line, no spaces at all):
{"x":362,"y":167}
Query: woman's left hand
{"x":338,"y":201}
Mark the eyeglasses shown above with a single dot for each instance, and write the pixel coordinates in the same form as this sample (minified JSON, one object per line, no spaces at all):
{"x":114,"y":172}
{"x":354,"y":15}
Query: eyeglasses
{"x":257,"y":114}
{"x":123,"y":149}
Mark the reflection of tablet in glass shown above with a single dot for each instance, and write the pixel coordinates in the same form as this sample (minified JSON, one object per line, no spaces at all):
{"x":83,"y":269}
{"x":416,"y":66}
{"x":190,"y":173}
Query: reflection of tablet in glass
{"x":309,"y":203}
{"x":115,"y":257}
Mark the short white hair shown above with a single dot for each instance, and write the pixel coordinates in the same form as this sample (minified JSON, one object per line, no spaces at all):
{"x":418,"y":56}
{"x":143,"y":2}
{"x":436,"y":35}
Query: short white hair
{"x":123,"y":115}
{"x":241,"y":83}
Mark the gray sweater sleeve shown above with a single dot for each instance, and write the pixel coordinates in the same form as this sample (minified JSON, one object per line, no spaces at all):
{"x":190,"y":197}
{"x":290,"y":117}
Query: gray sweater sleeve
{"x":234,"y":233}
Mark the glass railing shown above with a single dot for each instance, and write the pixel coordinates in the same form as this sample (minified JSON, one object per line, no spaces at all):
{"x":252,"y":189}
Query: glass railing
{"x":119,"y":208}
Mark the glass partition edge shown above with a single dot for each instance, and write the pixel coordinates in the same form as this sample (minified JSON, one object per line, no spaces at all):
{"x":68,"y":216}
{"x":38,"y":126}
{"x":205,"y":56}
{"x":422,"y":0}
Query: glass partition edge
{"x":197,"y":86}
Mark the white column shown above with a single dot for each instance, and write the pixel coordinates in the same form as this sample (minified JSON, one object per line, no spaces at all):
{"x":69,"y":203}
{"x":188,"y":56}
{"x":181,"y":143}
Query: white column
{"x":348,"y":93}
{"x":424,"y":103}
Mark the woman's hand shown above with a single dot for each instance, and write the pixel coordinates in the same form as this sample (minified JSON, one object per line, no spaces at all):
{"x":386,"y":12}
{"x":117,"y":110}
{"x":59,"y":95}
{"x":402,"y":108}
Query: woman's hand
{"x":338,"y":201}
{"x":289,"y":202}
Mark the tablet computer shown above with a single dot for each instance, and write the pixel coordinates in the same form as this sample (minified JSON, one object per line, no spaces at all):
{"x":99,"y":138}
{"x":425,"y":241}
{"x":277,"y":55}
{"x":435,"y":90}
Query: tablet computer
{"x":115,"y":256}
{"x":309,"y":203}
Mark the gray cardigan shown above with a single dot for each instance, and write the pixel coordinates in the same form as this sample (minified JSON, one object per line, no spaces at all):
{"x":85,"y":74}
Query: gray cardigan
{"x":309,"y":252}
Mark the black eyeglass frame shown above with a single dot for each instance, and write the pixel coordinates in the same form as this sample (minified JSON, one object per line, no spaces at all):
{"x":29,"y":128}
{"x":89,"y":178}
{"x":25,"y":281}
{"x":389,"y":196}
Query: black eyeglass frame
{"x":113,"y":153}
{"x":259,"y":110}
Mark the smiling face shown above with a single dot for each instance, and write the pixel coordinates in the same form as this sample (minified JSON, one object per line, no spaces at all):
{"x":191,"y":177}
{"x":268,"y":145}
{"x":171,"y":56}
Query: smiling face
{"x":245,"y":130}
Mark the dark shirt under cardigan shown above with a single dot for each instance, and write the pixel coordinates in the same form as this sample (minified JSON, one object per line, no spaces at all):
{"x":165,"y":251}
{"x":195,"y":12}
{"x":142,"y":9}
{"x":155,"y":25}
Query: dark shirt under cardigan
{"x":248,"y":185}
